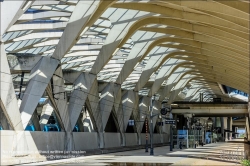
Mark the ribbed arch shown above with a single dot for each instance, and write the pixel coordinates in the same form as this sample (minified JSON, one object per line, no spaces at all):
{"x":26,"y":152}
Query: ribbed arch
{"x":182,"y":24}
{"x":133,"y":42}
{"x":183,"y":14}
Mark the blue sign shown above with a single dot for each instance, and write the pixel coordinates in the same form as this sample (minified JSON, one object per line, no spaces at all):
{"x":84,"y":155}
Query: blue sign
{"x":182,"y":132}
{"x":131,"y":122}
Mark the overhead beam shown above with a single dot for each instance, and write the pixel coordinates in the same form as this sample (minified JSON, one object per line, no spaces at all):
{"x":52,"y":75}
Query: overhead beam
{"x":211,"y":111}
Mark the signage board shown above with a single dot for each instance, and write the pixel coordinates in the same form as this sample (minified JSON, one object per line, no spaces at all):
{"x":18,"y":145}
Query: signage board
{"x":160,"y":123}
{"x":131,"y":122}
{"x":170,"y":122}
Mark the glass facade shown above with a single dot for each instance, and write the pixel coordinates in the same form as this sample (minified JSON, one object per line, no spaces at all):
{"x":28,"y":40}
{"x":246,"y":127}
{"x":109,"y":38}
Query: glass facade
{"x":233,"y":91}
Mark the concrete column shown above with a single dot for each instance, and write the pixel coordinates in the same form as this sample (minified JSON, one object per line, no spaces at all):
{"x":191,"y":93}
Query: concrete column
{"x":61,"y":108}
{"x":107,"y":100}
{"x":60,"y":99}
{"x":128,"y":104}
{"x":82,"y":87}
{"x":118,"y":97}
{"x":203,"y":135}
{"x":218,"y":125}
{"x":217,"y":122}
{"x":8,"y":100}
{"x":214,"y":120}
{"x":45,"y":68}
{"x":46,"y":113}
{"x":93,"y":99}
{"x":143,"y":108}
{"x":3,"y":121}
{"x":35,"y":121}
{"x":94,"y":105}
{"x":222,"y":129}
{"x":247,"y":132}
{"x":247,"y":140}
{"x":136,"y":115}
{"x":230,"y":127}
{"x":156,"y":111}
{"x":247,"y":129}
{"x":101,"y":140}
{"x":120,"y":117}
{"x":225,"y":128}
{"x":236,"y":131}
{"x":40,"y":77}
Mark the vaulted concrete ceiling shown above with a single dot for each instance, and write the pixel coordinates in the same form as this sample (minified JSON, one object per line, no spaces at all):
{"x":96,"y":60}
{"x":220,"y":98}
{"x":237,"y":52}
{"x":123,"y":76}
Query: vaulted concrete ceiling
{"x":142,"y":45}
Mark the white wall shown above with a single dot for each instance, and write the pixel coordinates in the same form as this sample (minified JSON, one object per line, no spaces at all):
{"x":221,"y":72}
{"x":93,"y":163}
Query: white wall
{"x":45,"y":141}
{"x":85,"y":140}
{"x":7,"y":140}
{"x":13,"y":144}
{"x":55,"y":140}
{"x":157,"y":138}
{"x":131,"y":139}
{"x":48,"y":140}
{"x":112,"y":140}
{"x":143,"y":138}
{"x":31,"y":143}
{"x":165,"y":138}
